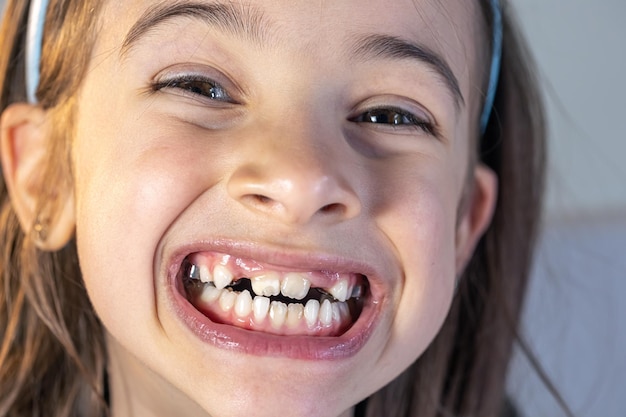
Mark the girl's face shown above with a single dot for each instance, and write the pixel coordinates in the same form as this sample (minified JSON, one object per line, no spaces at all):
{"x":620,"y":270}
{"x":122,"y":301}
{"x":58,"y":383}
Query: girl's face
{"x":271,"y":197}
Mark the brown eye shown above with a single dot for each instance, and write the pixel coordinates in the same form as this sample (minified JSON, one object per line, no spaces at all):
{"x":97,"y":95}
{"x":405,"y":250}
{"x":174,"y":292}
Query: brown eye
{"x":196,"y":86}
{"x":393,"y":117}
{"x":385,"y":116}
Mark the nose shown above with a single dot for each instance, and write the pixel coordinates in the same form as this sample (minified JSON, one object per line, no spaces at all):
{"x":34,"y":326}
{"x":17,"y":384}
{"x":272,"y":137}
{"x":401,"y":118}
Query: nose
{"x":294,"y":181}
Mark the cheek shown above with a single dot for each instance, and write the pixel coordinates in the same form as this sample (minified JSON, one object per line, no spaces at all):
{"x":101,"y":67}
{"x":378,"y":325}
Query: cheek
{"x":422,"y":229}
{"x":429,"y":274}
{"x":127,"y":198}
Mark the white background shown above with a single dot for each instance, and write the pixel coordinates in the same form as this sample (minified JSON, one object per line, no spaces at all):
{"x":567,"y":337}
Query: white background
{"x":575,"y":318}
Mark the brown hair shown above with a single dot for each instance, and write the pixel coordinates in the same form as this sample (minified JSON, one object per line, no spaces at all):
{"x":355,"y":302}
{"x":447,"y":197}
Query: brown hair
{"x":53,"y":355}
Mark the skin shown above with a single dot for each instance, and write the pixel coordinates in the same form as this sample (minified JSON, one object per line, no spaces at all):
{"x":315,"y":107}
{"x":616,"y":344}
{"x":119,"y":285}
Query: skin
{"x":159,"y":168}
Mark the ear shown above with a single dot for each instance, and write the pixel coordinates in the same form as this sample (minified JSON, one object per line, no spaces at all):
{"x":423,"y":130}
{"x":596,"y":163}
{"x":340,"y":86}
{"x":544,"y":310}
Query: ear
{"x":24,"y":136}
{"x":475,"y":214}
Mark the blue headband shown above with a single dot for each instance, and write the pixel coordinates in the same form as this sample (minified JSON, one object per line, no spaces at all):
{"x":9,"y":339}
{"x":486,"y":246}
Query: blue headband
{"x":34,"y":40}
{"x":37,"y":17}
{"x":496,"y":57}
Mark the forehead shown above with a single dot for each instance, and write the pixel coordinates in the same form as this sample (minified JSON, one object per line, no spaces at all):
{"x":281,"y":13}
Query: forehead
{"x":450,"y":29}
{"x":429,"y":18}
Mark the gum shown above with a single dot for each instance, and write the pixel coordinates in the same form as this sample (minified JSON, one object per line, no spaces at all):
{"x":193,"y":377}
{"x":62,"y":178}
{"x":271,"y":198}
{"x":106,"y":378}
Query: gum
{"x":249,"y":268}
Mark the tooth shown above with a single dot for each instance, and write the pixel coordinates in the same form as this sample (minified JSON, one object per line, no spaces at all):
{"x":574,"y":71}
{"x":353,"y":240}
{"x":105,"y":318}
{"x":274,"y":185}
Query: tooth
{"x":357,"y":291}
{"x":295,"y":286}
{"x":193,"y":272}
{"x":261,"y":305}
{"x":295,"y":311}
{"x":227,"y":300}
{"x":210,"y":294}
{"x":267,"y":284}
{"x":278,"y":313}
{"x":222,"y":276}
{"x":336,"y":312}
{"x":311,"y":311}
{"x":205,"y":274}
{"x":344,"y":311}
{"x":243,"y":305}
{"x":340,"y":290}
{"x":326,"y":313}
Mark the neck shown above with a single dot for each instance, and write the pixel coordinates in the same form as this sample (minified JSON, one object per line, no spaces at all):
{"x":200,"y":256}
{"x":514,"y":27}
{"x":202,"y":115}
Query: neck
{"x":137,"y":391}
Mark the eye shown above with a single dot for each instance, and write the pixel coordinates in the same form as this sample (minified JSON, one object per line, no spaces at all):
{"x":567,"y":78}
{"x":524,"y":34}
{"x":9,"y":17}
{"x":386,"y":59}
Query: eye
{"x":195,"y":86}
{"x":394,"y":117}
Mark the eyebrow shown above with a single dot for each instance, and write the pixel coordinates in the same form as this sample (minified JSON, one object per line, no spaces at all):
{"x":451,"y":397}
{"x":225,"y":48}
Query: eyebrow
{"x":250,"y":24}
{"x":391,"y":47}
{"x":246,"y":22}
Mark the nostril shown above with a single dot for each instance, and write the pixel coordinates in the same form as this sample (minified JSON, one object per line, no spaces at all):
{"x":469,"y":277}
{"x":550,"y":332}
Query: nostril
{"x":260,"y":198}
{"x":333,"y":208}
{"x":258,"y":201}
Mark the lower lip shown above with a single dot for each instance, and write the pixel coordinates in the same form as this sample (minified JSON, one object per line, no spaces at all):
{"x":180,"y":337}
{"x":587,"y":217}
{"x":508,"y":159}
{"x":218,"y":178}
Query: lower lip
{"x":264,"y":344}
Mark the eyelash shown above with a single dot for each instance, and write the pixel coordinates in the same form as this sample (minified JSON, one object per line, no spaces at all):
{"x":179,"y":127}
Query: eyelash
{"x":395,"y":118}
{"x":195,"y":86}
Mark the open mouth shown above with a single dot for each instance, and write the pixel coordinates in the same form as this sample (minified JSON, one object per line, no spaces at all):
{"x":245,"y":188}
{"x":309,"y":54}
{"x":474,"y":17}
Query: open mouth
{"x":246,"y":294}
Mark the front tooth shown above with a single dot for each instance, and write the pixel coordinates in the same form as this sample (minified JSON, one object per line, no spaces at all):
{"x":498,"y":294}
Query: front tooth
{"x":278,"y":313}
{"x":210,"y":294}
{"x":295,"y":286}
{"x":222,"y":276}
{"x":267,"y":284}
{"x":227,"y":300}
{"x":243,"y":306}
{"x":311,"y":312}
{"x":340,"y":290}
{"x":261,"y":306}
{"x":326,"y":313}
{"x":205,"y":274}
{"x":295,"y":312}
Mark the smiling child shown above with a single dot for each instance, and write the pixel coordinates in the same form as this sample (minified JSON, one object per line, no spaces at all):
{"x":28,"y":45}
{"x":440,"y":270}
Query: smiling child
{"x":262,"y":208}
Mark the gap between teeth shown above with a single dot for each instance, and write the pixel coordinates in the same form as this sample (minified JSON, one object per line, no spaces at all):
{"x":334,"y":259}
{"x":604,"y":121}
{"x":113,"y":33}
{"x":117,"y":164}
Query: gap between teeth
{"x":293,"y":285}
{"x":258,"y":306}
